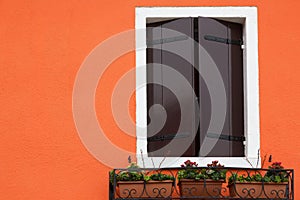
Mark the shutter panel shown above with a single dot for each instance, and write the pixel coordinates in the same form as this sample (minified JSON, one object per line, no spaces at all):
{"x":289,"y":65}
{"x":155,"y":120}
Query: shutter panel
{"x":219,"y":53}
{"x":235,"y":32}
{"x":221,"y":40}
{"x":177,"y":135}
{"x":154,"y":91}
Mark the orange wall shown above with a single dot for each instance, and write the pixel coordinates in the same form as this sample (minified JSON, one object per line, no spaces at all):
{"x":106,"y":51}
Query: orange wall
{"x":42,"y":45}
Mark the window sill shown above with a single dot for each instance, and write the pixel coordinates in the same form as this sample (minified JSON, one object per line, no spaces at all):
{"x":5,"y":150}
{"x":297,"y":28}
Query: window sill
{"x":242,"y":162}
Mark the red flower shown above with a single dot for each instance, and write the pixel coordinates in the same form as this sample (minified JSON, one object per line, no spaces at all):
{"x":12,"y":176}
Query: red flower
{"x":276,"y":165}
{"x":189,"y":163}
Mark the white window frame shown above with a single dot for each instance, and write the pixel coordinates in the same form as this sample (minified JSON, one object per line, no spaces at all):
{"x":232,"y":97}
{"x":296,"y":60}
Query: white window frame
{"x":251,"y":82}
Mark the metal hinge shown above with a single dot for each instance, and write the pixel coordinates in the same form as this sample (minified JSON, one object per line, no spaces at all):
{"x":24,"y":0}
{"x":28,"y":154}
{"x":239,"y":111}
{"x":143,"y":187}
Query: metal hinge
{"x":226,"y":137}
{"x":167,"y":40}
{"x":223,"y":40}
{"x":169,"y":137}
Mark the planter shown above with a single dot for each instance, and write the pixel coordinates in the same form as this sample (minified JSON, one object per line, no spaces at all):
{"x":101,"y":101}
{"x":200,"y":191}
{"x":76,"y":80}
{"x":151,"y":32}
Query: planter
{"x":130,"y":189}
{"x":207,"y":188}
{"x":159,"y":188}
{"x":258,"y":190}
{"x":140,"y":189}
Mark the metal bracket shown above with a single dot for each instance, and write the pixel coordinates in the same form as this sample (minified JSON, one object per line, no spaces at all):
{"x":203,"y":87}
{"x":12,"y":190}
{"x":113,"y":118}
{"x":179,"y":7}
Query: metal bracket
{"x":167,"y":40}
{"x":223,"y":40}
{"x":169,"y":137}
{"x":226,"y":137}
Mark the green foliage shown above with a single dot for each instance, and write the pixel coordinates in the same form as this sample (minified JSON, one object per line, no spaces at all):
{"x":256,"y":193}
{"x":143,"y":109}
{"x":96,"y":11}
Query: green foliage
{"x":190,"y":170}
{"x":250,"y":178}
{"x":111,"y":176}
{"x":130,"y":176}
{"x":275,"y":174}
{"x":244,"y":178}
{"x":134,"y":173}
{"x":187,"y":174}
{"x":213,"y":171}
{"x":160,"y":177}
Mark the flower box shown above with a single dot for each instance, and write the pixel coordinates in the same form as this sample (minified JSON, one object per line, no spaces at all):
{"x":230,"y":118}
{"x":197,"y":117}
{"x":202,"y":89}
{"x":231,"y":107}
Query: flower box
{"x":207,"y":188}
{"x":258,"y":190}
{"x":159,"y":188}
{"x":141,"y":189}
{"x":130,"y":189}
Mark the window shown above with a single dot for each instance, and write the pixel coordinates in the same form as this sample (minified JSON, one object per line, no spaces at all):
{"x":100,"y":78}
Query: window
{"x":182,"y":126}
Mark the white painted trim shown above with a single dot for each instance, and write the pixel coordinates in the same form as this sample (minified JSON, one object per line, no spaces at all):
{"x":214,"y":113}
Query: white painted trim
{"x":251,"y":85}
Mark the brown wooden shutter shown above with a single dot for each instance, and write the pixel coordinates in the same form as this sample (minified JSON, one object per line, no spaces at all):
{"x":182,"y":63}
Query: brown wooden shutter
{"x":168,"y":46}
{"x":222,"y":40}
{"x":235,"y":32}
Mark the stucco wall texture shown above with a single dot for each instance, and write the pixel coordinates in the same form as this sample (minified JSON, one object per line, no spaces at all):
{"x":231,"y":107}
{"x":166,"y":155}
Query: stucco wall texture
{"x":42,"y":45}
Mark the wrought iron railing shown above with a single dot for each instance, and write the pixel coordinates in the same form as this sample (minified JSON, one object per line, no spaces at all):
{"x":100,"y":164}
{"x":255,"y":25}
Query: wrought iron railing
{"x":240,"y":183}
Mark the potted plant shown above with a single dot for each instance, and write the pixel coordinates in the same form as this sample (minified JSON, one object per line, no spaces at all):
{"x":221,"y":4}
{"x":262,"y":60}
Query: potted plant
{"x":136,"y":183}
{"x":194,"y":181}
{"x":272,"y":184}
{"x":130,"y":182}
{"x":159,"y":184}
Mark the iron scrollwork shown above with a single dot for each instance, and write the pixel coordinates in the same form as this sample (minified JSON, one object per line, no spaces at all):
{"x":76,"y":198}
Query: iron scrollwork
{"x":234,"y":188}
